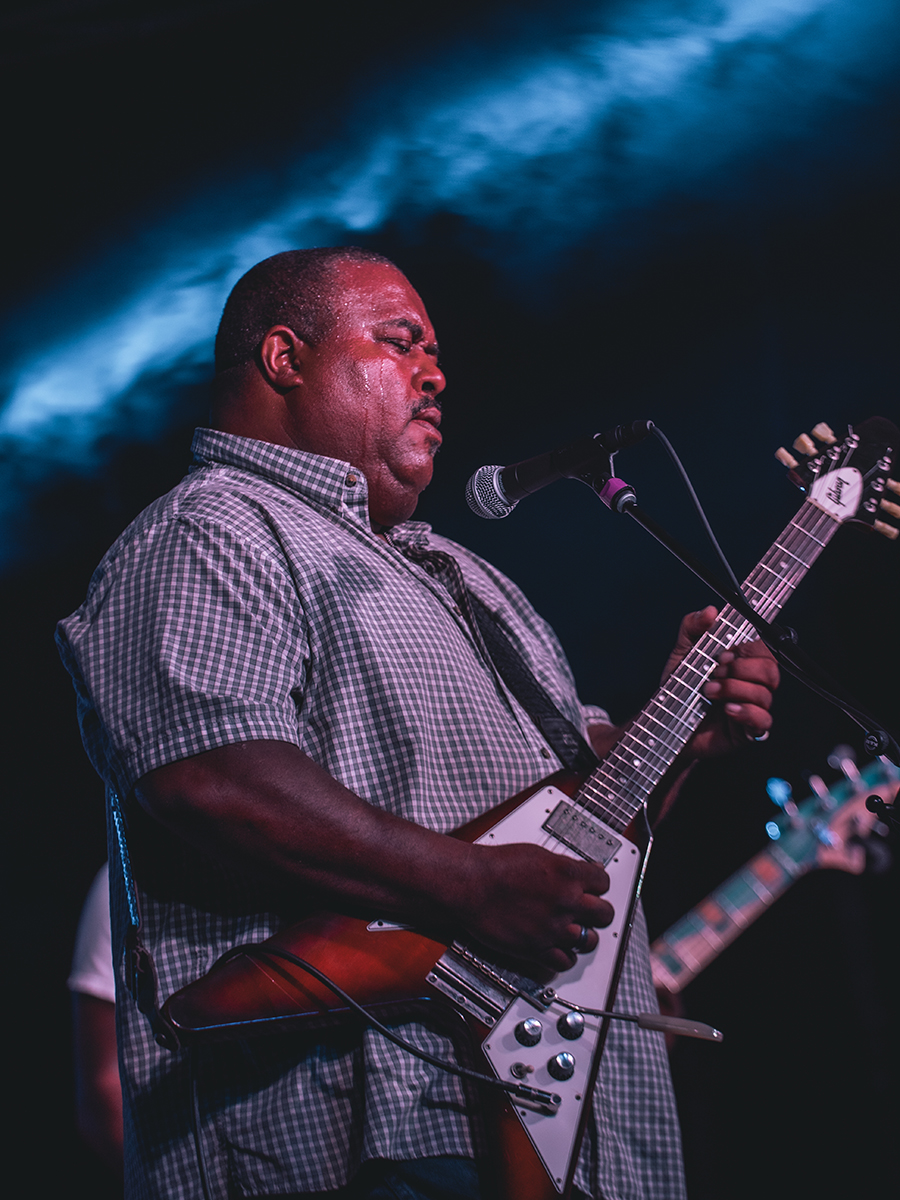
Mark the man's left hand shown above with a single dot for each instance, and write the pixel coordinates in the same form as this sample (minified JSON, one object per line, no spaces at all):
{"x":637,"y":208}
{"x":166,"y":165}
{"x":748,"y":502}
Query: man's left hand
{"x":740,"y":687}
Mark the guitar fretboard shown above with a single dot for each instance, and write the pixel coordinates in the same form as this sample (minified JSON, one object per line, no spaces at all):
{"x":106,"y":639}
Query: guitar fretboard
{"x":698,"y":937}
{"x":616,"y":791}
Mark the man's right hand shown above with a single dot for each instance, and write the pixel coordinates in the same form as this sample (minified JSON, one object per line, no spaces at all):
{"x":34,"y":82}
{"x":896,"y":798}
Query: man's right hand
{"x":531,"y":904}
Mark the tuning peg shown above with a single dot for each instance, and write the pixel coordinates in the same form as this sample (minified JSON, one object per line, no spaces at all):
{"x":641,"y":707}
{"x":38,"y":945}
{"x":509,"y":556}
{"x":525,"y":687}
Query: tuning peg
{"x":779,"y":791}
{"x":894,"y":485}
{"x":824,"y":433}
{"x":786,"y":458}
{"x":823,"y":834}
{"x":805,"y":445}
{"x":888,"y":530}
{"x":890,"y":507}
{"x":840,"y":754}
{"x":844,"y":758}
{"x":818,"y":785}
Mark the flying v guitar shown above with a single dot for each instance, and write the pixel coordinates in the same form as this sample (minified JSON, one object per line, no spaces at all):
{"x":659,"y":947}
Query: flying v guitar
{"x":528,"y":1030}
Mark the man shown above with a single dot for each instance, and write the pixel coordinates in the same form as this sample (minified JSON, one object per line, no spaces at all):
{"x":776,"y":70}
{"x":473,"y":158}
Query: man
{"x":286,"y":680}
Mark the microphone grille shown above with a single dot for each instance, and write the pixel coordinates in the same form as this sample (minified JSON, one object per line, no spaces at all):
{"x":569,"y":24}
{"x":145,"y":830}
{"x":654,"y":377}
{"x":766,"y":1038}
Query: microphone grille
{"x":485,"y":495}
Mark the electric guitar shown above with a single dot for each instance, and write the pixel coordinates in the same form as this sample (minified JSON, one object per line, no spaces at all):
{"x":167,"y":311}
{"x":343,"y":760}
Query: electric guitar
{"x":818,"y":833}
{"x":528,"y":1030}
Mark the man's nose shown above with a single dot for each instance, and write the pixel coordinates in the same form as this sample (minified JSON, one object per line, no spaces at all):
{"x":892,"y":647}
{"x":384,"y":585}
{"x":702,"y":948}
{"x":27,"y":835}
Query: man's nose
{"x":429,"y":377}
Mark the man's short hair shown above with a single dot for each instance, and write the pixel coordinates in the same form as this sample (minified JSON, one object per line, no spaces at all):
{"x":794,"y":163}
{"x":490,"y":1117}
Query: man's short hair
{"x":294,"y":288}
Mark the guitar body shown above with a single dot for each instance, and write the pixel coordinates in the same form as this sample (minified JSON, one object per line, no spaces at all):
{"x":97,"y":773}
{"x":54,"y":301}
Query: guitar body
{"x":387,"y":968}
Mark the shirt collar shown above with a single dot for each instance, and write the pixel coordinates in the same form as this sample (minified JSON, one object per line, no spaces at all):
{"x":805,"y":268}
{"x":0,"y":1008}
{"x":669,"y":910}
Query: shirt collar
{"x":325,"y":482}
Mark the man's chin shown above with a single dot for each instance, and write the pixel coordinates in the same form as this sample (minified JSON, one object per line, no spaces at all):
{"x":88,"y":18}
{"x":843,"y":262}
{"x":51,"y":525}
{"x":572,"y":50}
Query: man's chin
{"x":395,"y":503}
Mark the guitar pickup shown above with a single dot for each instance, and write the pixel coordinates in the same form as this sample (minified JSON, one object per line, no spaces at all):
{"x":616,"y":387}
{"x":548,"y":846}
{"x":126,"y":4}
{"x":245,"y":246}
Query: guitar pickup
{"x":581,"y":832}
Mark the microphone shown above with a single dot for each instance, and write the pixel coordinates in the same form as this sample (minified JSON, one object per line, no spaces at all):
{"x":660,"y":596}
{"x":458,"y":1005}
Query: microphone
{"x":493,"y":492}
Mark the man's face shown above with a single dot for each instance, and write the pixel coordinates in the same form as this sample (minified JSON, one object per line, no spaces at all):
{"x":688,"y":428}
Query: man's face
{"x":369,"y":390}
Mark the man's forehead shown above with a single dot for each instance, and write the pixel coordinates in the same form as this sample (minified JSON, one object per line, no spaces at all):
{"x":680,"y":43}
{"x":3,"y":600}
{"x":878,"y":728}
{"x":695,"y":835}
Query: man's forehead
{"x":378,"y":293}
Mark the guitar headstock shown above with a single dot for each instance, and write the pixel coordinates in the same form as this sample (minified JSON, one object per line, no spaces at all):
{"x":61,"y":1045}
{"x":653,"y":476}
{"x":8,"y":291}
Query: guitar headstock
{"x":854,"y":479}
{"x":842,"y":849}
{"x":829,"y":828}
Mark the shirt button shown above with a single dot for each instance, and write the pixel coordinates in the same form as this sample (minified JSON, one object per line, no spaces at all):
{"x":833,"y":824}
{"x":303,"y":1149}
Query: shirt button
{"x":457,"y":610}
{"x":351,"y":480}
{"x":545,"y":752}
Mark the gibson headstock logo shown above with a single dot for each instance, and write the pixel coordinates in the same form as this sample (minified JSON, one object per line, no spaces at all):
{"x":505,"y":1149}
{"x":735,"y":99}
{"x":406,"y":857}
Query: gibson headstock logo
{"x":834,"y":492}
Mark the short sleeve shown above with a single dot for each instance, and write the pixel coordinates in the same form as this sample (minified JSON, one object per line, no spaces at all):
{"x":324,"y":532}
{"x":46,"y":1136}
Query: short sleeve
{"x":595,"y":715}
{"x":92,"y":965}
{"x":190,"y":639}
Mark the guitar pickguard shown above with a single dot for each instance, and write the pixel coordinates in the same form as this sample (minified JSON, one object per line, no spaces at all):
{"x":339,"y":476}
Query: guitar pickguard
{"x":551,"y":1052}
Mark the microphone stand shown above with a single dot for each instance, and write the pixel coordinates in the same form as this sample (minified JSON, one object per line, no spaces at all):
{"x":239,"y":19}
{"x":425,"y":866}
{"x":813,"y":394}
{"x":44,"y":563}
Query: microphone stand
{"x":619,"y":496}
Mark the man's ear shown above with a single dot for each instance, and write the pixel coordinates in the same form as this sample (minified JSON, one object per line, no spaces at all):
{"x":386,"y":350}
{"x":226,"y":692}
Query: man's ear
{"x":281,"y":358}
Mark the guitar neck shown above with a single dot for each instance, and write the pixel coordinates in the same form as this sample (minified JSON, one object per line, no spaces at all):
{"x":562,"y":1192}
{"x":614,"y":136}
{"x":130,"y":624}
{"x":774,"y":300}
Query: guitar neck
{"x":617,"y":790}
{"x":817,"y":833}
{"x":692,"y":943}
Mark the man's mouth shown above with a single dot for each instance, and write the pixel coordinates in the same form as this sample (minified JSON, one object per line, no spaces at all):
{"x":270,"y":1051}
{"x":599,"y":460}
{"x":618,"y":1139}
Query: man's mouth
{"x":429,"y":412}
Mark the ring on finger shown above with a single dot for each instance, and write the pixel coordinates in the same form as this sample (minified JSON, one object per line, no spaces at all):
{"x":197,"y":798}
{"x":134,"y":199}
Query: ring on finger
{"x":759,"y":737}
{"x":582,"y":940}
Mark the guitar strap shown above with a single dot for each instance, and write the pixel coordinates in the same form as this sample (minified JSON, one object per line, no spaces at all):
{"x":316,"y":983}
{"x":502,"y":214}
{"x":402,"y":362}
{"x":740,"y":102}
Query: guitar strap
{"x":139,"y":968}
{"x":570,"y":747}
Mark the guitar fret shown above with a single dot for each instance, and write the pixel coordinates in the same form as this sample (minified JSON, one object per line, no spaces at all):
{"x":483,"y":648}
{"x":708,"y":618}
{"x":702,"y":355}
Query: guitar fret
{"x":692,"y":961}
{"x":795,"y":557}
{"x":714,"y":942}
{"x":637,"y":756}
{"x":737,"y":915}
{"x":751,"y":587}
{"x":812,"y":537}
{"x":764,"y":894}
{"x":651,"y":752}
{"x":649,"y":716}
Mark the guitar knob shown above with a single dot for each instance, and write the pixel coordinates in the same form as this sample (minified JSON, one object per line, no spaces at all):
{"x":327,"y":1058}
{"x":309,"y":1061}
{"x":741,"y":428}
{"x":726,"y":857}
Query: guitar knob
{"x":562,"y":1065}
{"x":528,"y":1032}
{"x":570,"y":1026}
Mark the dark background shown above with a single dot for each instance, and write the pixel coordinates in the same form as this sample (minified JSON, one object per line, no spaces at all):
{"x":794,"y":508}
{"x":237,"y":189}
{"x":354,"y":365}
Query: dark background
{"x":733,"y":317}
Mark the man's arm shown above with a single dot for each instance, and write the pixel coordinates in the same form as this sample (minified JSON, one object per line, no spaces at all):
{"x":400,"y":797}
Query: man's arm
{"x":98,"y":1092}
{"x":266,"y":807}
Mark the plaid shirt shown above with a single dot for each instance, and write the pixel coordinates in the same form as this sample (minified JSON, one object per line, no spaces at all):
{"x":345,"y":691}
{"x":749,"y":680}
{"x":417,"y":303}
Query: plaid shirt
{"x":254,"y":602}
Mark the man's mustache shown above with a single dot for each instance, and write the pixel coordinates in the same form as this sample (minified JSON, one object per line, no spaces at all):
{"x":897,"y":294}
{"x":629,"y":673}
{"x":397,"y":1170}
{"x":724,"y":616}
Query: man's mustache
{"x":428,"y":402}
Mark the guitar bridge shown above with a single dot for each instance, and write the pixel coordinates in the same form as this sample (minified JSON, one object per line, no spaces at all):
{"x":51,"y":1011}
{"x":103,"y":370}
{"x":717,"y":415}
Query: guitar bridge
{"x":481,"y":988}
